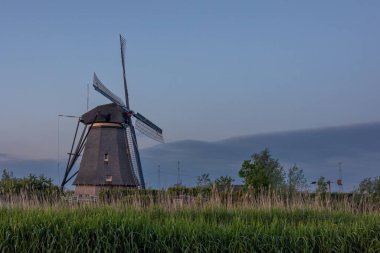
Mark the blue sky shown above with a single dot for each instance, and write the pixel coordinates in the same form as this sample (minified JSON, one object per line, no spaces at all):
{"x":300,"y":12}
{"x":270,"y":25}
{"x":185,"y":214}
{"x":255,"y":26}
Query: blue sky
{"x":200,"y":70}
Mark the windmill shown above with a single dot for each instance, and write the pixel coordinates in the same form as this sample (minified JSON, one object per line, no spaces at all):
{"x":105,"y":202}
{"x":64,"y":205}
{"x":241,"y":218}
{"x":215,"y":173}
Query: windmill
{"x":108,"y":141}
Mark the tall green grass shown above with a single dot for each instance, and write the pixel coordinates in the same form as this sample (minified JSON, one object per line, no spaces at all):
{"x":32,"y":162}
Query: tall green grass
{"x":259,"y":199}
{"x":190,"y":229}
{"x":160,"y":221}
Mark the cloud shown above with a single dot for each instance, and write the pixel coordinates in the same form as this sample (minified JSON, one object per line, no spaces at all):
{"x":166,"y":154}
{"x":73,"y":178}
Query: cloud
{"x":4,"y":157}
{"x":317,"y":151}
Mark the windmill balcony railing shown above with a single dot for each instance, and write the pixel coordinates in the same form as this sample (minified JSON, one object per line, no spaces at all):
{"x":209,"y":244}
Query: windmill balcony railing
{"x":82,"y":199}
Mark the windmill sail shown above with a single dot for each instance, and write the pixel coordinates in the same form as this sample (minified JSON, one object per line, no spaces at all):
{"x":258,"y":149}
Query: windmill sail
{"x":148,"y":128}
{"x":135,"y":156}
{"x":132,"y":155}
{"x":102,"y":89}
{"x":148,"y":131}
{"x":122,"y":51}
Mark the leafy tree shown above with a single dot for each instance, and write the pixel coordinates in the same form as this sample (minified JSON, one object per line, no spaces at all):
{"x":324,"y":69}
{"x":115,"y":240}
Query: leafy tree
{"x":6,"y":175}
{"x":224,"y":181}
{"x":376,"y":185}
{"x":366,"y":186}
{"x":262,"y":171}
{"x":204,"y":180}
{"x":30,"y":185}
{"x":369,"y":185}
{"x":322,"y":185}
{"x":296,"y":179}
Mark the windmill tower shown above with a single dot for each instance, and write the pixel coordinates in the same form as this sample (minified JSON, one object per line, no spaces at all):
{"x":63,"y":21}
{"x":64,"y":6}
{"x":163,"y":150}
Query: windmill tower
{"x":108,"y":141}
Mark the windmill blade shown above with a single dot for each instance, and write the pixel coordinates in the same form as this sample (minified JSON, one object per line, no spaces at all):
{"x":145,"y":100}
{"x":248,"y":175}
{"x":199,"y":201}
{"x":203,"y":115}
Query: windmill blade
{"x":147,"y":128}
{"x":147,"y":122}
{"x":102,"y":89}
{"x":122,"y":52}
{"x":137,"y":157}
{"x":132,"y":155}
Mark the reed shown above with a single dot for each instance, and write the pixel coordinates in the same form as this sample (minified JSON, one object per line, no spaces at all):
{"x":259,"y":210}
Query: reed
{"x":111,"y":229}
{"x":161,"y":221}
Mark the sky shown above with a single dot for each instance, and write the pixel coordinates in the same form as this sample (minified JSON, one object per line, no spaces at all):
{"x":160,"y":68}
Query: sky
{"x":204,"y":71}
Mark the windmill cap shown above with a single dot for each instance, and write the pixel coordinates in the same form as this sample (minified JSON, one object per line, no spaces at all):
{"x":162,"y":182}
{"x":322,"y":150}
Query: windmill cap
{"x":104,"y":113}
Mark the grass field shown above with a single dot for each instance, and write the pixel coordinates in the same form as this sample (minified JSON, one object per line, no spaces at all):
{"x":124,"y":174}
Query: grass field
{"x":103,"y":228}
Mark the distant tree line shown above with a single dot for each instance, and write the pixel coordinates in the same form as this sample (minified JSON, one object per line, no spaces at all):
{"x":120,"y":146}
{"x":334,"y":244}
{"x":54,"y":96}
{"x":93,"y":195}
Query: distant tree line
{"x":30,"y":186}
{"x":205,"y":181}
{"x":261,"y":172}
{"x":264,"y":172}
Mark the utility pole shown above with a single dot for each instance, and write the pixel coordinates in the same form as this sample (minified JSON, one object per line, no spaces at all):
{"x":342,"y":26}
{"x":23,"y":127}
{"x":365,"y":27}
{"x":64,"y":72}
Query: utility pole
{"x":340,"y":180}
{"x":58,"y":156}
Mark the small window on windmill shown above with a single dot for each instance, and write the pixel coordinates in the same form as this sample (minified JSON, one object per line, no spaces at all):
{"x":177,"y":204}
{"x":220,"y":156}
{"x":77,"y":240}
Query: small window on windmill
{"x":106,"y":157}
{"x":108,"y":179}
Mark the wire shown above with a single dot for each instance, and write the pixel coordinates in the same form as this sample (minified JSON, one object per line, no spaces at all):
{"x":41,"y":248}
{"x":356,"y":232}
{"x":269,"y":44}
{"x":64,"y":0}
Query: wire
{"x":58,"y":156}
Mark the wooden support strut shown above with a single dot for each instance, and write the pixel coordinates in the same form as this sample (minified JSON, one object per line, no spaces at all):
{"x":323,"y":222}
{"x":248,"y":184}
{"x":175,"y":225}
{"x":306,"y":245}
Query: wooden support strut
{"x":70,"y":154}
{"x":73,"y":157}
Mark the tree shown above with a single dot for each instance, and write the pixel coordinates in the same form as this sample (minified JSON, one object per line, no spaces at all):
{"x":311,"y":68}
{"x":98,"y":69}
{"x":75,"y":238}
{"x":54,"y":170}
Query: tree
{"x":366,"y":186}
{"x":6,"y":175}
{"x":204,"y":180}
{"x":370,"y":186}
{"x":376,"y":185}
{"x":262,"y":171}
{"x":30,"y":184}
{"x":224,"y":181}
{"x":321,"y":185}
{"x":296,"y":179}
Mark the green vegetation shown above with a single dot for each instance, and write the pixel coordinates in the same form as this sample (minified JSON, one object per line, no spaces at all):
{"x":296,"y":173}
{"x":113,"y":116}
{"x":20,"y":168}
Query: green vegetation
{"x":262,"y":171}
{"x":296,"y":179}
{"x":110,"y":229}
{"x":14,"y":189}
{"x":270,"y":213}
{"x":196,"y":219}
{"x":370,"y":186}
{"x":322,"y":185}
{"x":204,"y":180}
{"x":224,"y":181}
